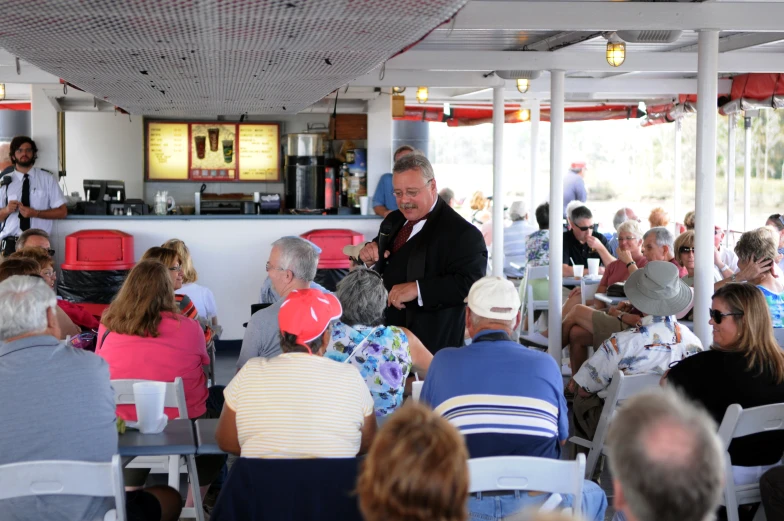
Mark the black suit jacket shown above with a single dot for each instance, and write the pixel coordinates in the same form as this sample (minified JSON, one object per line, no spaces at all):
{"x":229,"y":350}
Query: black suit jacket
{"x":446,"y":257}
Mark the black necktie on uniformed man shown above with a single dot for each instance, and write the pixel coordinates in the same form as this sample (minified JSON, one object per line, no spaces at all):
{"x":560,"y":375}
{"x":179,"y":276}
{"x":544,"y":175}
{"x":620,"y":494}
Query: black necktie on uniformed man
{"x":24,"y":222}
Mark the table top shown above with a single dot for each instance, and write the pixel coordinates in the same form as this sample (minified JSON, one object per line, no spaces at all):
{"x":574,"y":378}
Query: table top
{"x":571,"y":281}
{"x":205,"y":437}
{"x":176,"y":438}
{"x":603,"y":297}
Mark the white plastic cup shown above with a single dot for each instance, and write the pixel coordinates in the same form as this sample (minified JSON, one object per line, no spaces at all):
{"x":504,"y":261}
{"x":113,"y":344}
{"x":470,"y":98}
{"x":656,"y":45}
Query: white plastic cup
{"x":363,"y":204}
{"x":593,"y":267}
{"x":578,"y":270}
{"x":149,"y":398}
{"x":416,"y":389}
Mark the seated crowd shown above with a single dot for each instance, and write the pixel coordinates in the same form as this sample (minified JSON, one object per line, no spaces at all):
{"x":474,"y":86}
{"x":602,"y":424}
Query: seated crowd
{"x":320,"y":376}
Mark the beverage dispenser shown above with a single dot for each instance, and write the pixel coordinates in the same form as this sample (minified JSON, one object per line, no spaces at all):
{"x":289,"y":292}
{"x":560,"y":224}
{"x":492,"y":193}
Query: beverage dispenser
{"x":304,"y":177}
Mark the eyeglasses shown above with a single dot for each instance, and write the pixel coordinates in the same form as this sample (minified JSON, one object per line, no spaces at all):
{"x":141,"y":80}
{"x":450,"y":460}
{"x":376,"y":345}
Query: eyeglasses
{"x":718,"y":316}
{"x":717,"y":231}
{"x":175,"y":268}
{"x":685,"y":249}
{"x":584,"y":228}
{"x":24,"y":150}
{"x":50,"y":252}
{"x":410,"y":192}
{"x":627,"y":239}
{"x":269,"y":266}
{"x":48,"y":273}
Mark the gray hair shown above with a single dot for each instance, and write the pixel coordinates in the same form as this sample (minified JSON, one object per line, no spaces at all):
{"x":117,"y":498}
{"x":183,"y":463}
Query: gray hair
{"x":675,"y":442}
{"x":24,"y":301}
{"x":414,"y":161}
{"x":32,"y":232}
{"x":632,"y":227}
{"x":298,"y":256}
{"x":518,"y":210}
{"x":478,"y":320}
{"x":571,"y":207}
{"x":363,"y":297}
{"x":663,"y":237}
{"x":405,"y":148}
{"x":620,"y":218}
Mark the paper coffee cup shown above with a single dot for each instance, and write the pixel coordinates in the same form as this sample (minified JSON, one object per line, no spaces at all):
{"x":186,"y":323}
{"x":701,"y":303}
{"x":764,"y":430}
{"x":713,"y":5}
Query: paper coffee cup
{"x":578,"y":270}
{"x":593,"y":267}
{"x":416,"y":389}
{"x":149,"y":397}
{"x":363,"y":204}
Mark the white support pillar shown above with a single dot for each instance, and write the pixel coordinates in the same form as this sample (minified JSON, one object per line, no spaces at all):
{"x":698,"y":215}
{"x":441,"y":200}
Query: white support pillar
{"x":730,"y":176}
{"x":747,"y":175}
{"x":43,"y":128}
{"x":707,"y":86}
{"x":379,"y":143}
{"x":535,"y":117}
{"x":678,"y":169}
{"x":498,"y":181}
{"x":557,"y":80}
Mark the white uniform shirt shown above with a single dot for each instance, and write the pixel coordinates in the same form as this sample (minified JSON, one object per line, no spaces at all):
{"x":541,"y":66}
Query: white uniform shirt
{"x":45,"y":194}
{"x":729,"y":258}
{"x":202,"y":298}
{"x":415,"y":230}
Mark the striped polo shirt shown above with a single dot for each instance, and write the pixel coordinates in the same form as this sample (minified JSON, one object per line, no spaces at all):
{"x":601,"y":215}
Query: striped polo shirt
{"x":298,"y":405}
{"x":504,"y":398}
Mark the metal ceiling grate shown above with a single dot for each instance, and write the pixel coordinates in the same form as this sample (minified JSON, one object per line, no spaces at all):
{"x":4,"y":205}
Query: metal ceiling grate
{"x":211,"y":57}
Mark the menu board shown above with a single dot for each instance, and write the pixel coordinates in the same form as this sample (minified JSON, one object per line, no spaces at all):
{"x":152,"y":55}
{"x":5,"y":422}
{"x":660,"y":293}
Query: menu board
{"x":167,"y":151}
{"x":212,"y":151}
{"x":258,"y":147}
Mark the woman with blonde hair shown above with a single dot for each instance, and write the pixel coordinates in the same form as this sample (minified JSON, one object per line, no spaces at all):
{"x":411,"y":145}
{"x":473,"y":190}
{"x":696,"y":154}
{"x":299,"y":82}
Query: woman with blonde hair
{"x":479,"y":204}
{"x":416,"y":470}
{"x":201,"y":296}
{"x":684,"y":254}
{"x":745,"y":366}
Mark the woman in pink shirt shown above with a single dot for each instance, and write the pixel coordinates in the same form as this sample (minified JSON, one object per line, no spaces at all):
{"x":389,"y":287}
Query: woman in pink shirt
{"x":143,"y":336}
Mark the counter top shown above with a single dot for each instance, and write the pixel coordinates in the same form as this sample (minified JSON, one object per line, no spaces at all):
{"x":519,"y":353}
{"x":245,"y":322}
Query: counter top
{"x":217,"y":217}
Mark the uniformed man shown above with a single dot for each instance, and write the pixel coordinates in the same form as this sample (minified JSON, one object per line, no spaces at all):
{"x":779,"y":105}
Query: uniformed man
{"x":30,"y":197}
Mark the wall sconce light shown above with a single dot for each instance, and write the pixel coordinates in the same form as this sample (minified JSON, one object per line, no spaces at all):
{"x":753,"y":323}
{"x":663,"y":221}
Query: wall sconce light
{"x":421,"y":94}
{"x":398,"y":90}
{"x":524,"y":115}
{"x":523,"y":85}
{"x":2,"y":91}
{"x":616,"y":50}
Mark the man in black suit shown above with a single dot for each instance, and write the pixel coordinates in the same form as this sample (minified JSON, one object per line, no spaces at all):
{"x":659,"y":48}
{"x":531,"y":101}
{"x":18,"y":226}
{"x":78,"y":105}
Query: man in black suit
{"x":429,"y":258}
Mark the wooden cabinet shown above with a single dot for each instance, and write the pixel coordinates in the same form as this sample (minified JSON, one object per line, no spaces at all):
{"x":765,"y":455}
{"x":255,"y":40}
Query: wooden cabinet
{"x":348,"y":126}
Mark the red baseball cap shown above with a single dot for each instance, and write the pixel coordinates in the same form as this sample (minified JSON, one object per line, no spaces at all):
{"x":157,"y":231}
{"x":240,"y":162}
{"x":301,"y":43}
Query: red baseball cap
{"x":306,"y":313}
{"x":578,"y":165}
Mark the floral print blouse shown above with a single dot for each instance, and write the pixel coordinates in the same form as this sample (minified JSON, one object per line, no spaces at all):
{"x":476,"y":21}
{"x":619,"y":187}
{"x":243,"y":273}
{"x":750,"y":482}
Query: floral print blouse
{"x":384,"y":361}
{"x":537,"y":247}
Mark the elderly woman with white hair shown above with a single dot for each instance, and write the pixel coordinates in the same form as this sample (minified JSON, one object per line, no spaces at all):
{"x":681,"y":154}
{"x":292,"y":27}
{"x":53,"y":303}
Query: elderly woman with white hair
{"x":384,"y":355}
{"x":515,"y":237}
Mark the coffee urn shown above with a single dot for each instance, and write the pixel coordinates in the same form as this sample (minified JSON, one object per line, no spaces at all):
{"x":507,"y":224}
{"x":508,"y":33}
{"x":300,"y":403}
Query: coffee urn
{"x":304,"y":179}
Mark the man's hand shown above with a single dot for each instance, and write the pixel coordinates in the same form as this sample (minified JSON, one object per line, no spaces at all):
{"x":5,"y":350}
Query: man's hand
{"x":12,"y":206}
{"x":576,"y":291}
{"x":717,"y":258}
{"x":369,"y":254}
{"x":402,"y":293}
{"x":624,"y":256}
{"x":594,"y":243}
{"x":27,"y":211}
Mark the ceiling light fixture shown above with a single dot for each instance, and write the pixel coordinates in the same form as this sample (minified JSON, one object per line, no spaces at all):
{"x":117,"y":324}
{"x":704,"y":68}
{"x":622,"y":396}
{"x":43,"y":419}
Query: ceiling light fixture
{"x":2,"y":91}
{"x":523,"y":85}
{"x":421,"y":94}
{"x":398,"y":90}
{"x":616,"y":50}
{"x":524,"y":115}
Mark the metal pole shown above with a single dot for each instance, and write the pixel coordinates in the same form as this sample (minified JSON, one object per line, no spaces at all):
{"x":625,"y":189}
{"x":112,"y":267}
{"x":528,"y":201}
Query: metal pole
{"x":730,"y":177}
{"x":747,"y":175}
{"x":678,"y":168}
{"x":498,"y":173}
{"x":557,"y":79}
{"x":707,"y":87}
{"x":535,"y":115}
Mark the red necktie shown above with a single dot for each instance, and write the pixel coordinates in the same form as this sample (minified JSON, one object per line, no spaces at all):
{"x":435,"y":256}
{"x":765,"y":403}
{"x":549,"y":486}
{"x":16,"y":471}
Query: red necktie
{"x":404,"y":233}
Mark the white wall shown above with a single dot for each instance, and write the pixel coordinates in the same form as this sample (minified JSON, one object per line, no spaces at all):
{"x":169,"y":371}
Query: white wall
{"x":100,"y":145}
{"x":379,"y":143}
{"x":229,"y":254}
{"x":43,"y":127}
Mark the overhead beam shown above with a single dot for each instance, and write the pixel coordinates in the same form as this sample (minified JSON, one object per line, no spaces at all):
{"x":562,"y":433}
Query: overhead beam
{"x":617,"y":16}
{"x":737,"y":62}
{"x":413,"y":78}
{"x":737,"y":42}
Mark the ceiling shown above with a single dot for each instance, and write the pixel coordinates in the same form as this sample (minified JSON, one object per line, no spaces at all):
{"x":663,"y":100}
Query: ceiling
{"x":214,"y":57}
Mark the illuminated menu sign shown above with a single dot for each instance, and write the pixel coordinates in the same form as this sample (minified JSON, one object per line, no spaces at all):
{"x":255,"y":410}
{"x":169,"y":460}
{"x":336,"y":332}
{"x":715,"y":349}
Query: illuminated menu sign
{"x":259,"y":149}
{"x":212,"y":151}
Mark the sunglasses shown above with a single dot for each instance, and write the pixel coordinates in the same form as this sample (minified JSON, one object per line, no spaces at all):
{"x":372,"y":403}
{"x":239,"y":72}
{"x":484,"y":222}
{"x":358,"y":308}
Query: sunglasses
{"x":718,"y":316}
{"x":50,"y":252}
{"x":685,"y":249}
{"x":583,"y":228}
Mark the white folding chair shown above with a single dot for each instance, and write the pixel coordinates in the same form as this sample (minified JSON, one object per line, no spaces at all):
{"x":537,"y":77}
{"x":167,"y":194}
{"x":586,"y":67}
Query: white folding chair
{"x":778,"y":332}
{"x":70,"y":478}
{"x":621,"y":388}
{"x":527,"y":296}
{"x":740,"y":422}
{"x":172,"y":465}
{"x":530,"y":474}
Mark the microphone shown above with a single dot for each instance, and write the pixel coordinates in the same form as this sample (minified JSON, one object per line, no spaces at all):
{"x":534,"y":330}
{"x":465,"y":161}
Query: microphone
{"x":383,"y":241}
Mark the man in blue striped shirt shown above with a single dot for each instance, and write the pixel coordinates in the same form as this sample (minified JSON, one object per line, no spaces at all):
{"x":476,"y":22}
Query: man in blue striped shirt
{"x":505,"y":399}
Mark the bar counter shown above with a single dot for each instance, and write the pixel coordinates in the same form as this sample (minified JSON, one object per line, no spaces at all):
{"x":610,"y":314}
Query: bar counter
{"x":228,"y":251}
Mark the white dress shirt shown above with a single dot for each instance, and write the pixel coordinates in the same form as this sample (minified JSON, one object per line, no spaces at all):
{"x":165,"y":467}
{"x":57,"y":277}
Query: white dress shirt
{"x":415,"y":230}
{"x":45,"y":194}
